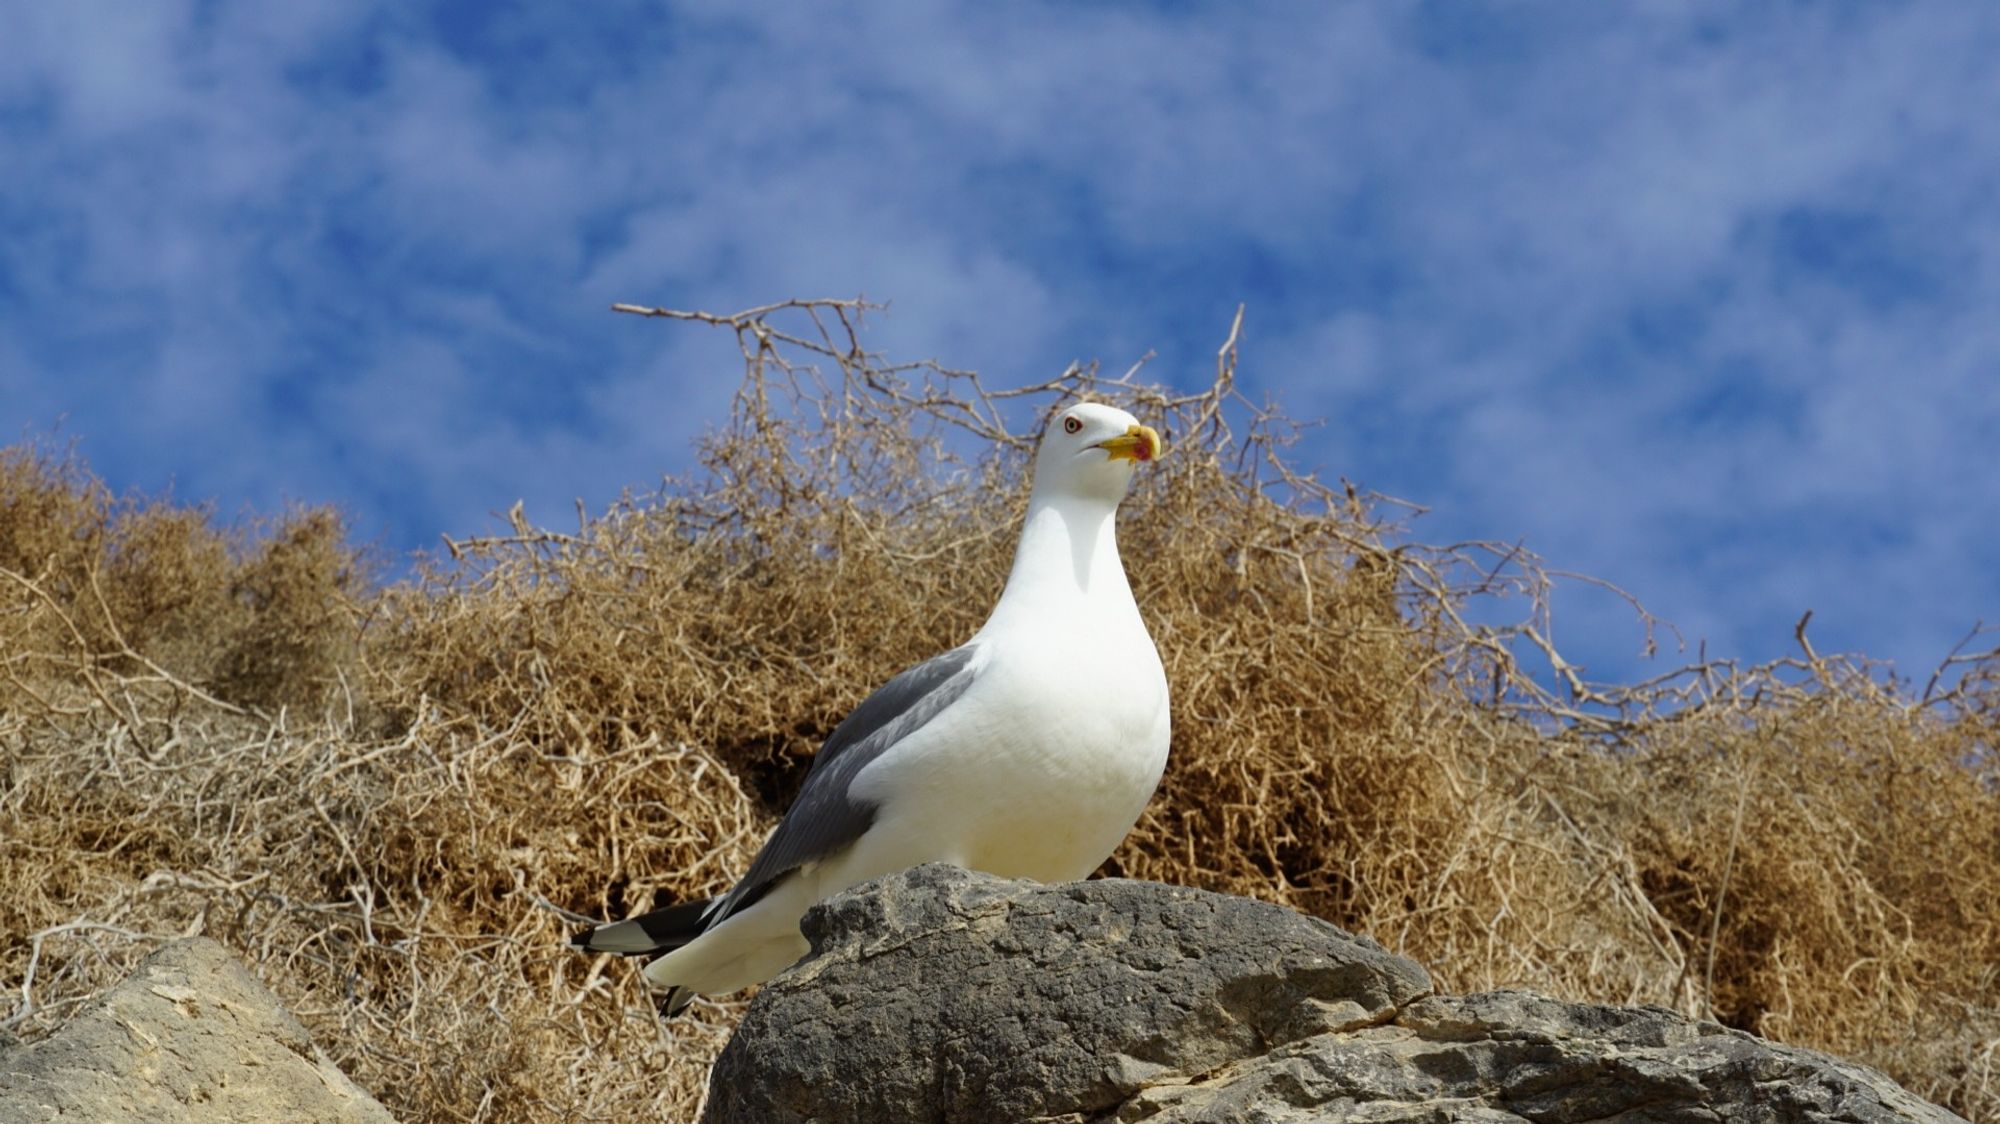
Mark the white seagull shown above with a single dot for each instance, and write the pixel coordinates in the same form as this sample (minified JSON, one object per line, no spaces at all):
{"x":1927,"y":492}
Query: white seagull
{"x":1027,"y":752}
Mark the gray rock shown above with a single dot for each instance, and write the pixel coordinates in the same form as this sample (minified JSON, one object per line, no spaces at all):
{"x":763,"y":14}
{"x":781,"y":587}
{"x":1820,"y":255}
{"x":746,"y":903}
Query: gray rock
{"x":189,"y":1036}
{"x":938,"y":994}
{"x":941,"y":995}
{"x":1518,"y":1056}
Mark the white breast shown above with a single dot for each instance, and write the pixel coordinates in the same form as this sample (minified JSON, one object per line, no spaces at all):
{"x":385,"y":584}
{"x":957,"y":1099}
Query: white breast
{"x":1010,"y":783}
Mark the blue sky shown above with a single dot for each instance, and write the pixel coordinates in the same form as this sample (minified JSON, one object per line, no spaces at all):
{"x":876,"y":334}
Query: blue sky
{"x":1701,"y":299}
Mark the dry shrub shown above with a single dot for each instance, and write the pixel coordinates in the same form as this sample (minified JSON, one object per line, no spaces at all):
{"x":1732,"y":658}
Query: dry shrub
{"x":594,"y":719}
{"x":264,"y":617}
{"x":1830,"y":858}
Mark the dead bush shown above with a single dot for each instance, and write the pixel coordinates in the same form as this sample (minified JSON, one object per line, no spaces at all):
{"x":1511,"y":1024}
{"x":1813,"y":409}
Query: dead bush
{"x":265,"y":617}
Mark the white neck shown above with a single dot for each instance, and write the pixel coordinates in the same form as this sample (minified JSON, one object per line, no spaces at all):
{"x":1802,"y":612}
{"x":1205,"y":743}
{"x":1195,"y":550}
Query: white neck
{"x":1067,"y":566}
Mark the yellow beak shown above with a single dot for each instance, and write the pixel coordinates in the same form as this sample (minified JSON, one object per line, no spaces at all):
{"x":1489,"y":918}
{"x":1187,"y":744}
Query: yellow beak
{"x":1140,"y":443}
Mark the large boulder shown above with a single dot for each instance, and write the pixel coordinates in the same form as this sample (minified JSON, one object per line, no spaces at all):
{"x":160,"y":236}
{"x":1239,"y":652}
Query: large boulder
{"x":942,"y":995}
{"x":190,"y":1036}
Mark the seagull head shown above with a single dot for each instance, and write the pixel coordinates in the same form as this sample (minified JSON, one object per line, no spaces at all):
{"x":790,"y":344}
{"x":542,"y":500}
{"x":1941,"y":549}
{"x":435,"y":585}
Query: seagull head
{"x":1089,"y":451}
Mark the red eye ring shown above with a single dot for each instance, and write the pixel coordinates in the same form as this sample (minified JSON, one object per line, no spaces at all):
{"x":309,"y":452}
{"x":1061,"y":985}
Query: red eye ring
{"x":1071,"y":425}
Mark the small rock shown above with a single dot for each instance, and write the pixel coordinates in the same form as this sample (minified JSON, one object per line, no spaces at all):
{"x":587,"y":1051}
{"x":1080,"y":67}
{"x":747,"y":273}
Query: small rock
{"x":190,"y":1036}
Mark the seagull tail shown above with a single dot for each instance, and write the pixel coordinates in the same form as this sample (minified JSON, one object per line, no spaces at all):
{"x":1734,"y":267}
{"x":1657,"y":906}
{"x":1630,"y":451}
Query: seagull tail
{"x":662,"y":930}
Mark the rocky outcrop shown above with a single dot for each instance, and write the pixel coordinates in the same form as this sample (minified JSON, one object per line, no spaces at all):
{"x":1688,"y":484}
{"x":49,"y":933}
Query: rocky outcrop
{"x":940,"y":995}
{"x":1518,"y":1056}
{"x":190,"y":1036}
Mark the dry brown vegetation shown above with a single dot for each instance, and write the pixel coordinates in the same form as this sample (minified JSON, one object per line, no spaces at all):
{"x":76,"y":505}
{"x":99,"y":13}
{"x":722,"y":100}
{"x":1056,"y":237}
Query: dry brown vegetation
{"x":372,"y":793}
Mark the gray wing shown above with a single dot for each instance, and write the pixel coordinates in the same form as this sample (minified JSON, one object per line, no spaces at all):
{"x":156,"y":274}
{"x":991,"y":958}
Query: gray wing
{"x":826,"y":817}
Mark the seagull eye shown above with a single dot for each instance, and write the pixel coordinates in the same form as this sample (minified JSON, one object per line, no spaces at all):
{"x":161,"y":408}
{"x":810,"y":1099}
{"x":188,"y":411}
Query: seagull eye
{"x":1071,"y":425}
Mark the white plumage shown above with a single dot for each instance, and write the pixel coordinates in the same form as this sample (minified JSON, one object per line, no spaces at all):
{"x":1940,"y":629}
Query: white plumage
{"x":1027,"y":752}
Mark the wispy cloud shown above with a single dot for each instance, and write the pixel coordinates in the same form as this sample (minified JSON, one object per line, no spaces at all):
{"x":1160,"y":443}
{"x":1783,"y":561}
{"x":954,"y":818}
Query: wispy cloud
{"x":1695,"y":298}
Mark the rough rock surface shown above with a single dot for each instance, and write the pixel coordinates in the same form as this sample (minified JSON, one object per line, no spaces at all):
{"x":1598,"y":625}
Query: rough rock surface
{"x":938,"y":994}
{"x":1518,"y":1056}
{"x":189,"y":1036}
{"x":941,"y":995}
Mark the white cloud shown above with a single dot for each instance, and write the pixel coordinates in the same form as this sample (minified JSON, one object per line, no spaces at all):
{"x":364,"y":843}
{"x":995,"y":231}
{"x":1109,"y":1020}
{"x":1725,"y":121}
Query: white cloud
{"x":1538,"y":281}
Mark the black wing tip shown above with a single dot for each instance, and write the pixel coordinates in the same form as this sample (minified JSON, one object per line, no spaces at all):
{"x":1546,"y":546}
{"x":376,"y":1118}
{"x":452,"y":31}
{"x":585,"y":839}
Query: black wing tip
{"x":670,"y":1003}
{"x":648,"y":934}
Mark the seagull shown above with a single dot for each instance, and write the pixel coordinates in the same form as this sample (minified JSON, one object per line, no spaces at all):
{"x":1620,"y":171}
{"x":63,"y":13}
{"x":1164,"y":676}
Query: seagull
{"x":1026,"y":752}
